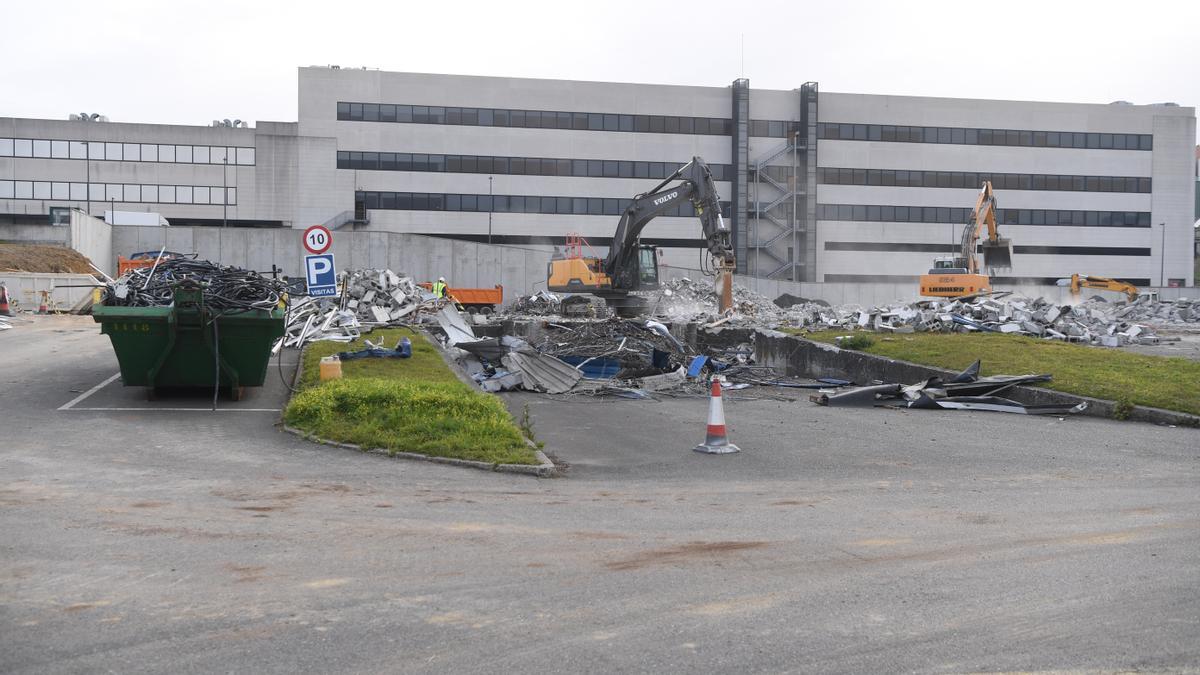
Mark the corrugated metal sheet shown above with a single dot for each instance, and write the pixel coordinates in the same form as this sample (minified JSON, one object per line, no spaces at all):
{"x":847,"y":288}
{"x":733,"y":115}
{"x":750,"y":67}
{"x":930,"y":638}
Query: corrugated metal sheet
{"x":543,"y":373}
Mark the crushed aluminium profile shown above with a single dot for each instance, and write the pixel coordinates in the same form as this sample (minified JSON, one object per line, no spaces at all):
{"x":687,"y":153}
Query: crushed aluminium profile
{"x":965,"y":391}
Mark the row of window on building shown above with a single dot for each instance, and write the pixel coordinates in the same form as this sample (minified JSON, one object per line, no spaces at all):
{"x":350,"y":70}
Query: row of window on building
{"x":972,"y":179}
{"x":116,"y":192}
{"x":573,"y":206}
{"x":552,"y":119}
{"x":943,"y":214}
{"x":125,"y":152}
{"x":968,"y":136}
{"x":520,"y":166}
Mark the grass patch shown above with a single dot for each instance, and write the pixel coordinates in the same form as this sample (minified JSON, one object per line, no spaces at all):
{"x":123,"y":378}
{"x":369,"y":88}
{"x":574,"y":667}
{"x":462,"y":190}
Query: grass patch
{"x":404,"y":405}
{"x":1110,"y":374}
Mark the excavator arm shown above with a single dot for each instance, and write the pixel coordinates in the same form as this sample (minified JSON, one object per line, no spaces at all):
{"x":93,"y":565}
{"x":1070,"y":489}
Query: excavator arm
{"x":695,"y":185}
{"x":1079,"y":281}
{"x":997,"y":252}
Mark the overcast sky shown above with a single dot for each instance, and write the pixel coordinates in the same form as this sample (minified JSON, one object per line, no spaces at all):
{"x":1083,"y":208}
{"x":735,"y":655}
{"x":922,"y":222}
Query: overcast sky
{"x":181,"y":61}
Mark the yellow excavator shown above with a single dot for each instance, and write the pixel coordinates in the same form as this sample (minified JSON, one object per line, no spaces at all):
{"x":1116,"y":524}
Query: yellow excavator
{"x":958,"y":275}
{"x":1080,"y":281}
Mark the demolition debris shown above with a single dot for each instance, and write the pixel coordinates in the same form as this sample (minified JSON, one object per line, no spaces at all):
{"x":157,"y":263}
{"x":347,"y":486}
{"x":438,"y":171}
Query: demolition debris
{"x":371,"y":298}
{"x":1095,"y":321}
{"x":965,"y":391}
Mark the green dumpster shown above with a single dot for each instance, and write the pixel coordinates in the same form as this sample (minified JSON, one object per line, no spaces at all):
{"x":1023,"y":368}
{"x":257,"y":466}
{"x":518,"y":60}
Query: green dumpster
{"x":186,"y":345}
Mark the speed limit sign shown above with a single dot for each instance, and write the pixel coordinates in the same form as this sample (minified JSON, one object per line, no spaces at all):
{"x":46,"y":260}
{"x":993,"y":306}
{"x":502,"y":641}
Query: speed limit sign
{"x":317,"y":240}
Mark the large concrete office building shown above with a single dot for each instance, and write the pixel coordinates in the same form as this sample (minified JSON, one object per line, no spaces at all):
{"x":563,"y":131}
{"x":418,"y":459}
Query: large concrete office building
{"x":819,"y":186}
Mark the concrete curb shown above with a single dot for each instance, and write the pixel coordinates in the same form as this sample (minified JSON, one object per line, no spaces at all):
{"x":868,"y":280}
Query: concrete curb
{"x":544,"y":469}
{"x":806,"y":358}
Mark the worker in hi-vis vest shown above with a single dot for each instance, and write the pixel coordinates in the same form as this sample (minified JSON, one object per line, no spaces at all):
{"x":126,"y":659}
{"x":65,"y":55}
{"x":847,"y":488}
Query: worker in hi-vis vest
{"x":439,"y":287}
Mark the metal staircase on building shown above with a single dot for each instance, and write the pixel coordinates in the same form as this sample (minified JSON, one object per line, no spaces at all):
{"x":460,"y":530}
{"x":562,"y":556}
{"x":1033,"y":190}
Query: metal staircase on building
{"x":781,"y":218}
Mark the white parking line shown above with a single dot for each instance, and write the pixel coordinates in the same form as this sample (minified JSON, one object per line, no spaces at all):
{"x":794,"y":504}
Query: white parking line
{"x":71,"y":404}
{"x":209,"y":409}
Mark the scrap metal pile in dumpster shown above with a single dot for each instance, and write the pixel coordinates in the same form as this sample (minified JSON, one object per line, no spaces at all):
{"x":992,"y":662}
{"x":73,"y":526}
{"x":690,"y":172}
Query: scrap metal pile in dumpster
{"x":192,"y":323}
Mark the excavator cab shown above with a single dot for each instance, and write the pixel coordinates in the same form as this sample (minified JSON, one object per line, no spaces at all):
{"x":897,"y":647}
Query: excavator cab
{"x":949,"y":265}
{"x":647,"y":271}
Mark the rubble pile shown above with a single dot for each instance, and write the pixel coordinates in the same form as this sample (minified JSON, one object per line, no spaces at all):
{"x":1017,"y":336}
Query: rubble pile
{"x":371,"y":298}
{"x":1092,"y":322}
{"x":381,"y":297}
{"x":687,"y":300}
{"x":542,"y":303}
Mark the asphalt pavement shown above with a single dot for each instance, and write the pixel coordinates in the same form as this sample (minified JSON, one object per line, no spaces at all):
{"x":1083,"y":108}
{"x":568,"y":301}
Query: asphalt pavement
{"x":150,"y":536}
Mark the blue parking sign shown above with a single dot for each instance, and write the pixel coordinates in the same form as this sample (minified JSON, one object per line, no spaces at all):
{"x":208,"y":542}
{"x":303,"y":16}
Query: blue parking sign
{"x":321,"y":275}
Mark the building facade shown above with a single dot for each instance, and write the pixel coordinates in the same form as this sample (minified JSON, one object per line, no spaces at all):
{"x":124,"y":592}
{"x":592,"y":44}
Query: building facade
{"x":817,"y":186}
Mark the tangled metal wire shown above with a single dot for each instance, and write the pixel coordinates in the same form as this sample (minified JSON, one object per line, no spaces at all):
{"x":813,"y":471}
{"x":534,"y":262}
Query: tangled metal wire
{"x":227,"y":290}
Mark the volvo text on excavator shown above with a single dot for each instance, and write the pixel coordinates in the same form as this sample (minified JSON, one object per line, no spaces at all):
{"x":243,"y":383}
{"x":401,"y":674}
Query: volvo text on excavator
{"x":959,"y":275}
{"x":632,"y":266}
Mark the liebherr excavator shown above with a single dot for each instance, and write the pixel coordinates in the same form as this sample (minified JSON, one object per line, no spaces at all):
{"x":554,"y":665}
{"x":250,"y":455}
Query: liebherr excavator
{"x":633,"y":266}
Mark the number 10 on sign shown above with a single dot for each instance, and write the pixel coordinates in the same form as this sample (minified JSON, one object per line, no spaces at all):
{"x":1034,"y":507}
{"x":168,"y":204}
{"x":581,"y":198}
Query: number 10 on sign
{"x":317,"y":240}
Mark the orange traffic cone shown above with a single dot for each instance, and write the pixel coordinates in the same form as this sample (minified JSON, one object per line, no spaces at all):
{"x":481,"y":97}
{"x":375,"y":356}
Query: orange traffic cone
{"x":5,"y":310}
{"x":715,"y":442}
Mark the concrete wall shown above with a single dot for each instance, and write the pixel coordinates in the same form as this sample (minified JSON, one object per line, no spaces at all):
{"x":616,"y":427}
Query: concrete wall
{"x":93,"y":238}
{"x":518,"y":269}
{"x":35,"y":234}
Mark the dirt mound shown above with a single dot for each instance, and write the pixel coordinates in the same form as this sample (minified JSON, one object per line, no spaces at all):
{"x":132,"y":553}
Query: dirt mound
{"x":38,"y":258}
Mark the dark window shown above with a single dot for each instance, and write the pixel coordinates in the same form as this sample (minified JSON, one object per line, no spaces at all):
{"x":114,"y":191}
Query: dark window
{"x":1146,"y":142}
{"x":579,"y":167}
{"x":888,"y":133}
{"x":985,"y":137}
{"x":612,"y":122}
{"x":944,"y":135}
{"x":595,"y":206}
{"x":343,"y":111}
{"x":563,"y":120}
{"x":1143,"y":185}
{"x":579,"y":121}
{"x":776,"y":129}
{"x":454,"y":116}
{"x":671,"y":125}
{"x":641,"y":123}
{"x":657,"y":123}
{"x":387,"y":113}
{"x":958,"y":136}
{"x":626,"y":123}
{"x":610,"y":169}
{"x":343,"y":158}
{"x":356,"y":111}
{"x":930,"y":134}
{"x":595,"y":122}
{"x":516,"y":118}
{"x":595,"y":168}
{"x":625,"y":169}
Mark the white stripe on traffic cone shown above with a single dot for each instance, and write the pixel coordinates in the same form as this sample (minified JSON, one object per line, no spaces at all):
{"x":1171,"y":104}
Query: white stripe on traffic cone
{"x":715,"y":440}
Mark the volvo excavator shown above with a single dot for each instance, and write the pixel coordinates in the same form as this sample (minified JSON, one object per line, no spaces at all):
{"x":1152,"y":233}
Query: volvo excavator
{"x":632,"y":266}
{"x":959,"y":275}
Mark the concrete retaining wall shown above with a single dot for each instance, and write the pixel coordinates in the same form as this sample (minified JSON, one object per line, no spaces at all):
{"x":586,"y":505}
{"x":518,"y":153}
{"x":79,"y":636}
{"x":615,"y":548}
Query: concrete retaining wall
{"x":804,"y":358}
